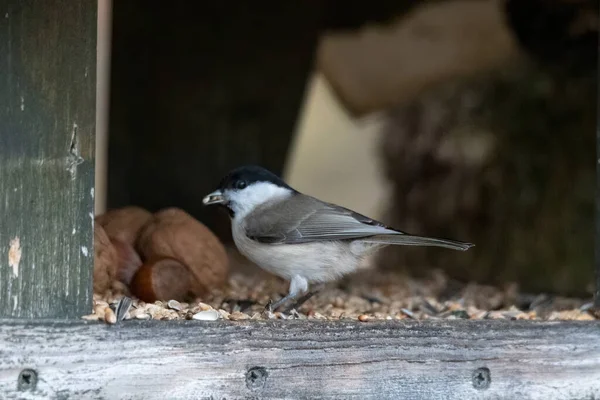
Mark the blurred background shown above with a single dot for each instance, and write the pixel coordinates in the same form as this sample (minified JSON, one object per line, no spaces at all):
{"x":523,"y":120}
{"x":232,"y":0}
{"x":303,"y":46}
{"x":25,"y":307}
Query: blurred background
{"x":473,"y":120}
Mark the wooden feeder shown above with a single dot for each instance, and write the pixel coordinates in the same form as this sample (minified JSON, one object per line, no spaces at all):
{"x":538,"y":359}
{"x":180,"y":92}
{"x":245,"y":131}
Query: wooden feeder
{"x":53,"y":104}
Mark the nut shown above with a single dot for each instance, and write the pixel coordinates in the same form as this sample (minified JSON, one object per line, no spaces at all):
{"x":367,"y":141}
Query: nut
{"x":174,"y":234}
{"x":105,"y":261}
{"x":164,"y":278}
{"x":124,"y":224}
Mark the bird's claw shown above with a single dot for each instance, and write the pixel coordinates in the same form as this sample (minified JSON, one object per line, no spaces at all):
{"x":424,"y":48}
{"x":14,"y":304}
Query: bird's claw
{"x":269,"y":306}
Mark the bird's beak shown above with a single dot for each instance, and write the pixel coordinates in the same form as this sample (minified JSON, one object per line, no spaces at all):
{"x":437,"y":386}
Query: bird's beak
{"x":215,"y":197}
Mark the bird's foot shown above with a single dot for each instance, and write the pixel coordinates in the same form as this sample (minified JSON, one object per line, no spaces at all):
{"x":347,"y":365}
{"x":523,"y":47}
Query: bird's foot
{"x":298,"y":303}
{"x":271,"y":307}
{"x":268,"y":306}
{"x":295,"y":301}
{"x":275,"y":306}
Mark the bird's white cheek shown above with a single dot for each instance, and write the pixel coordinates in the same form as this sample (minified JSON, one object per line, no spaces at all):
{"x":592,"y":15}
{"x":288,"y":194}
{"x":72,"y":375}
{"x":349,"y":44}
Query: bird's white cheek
{"x":242,"y":202}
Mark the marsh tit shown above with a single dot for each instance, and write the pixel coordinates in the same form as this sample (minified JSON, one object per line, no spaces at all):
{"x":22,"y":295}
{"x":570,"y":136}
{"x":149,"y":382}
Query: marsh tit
{"x":300,"y":238}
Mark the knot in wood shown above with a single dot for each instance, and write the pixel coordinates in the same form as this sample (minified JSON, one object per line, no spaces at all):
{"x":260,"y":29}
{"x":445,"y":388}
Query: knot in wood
{"x":482,"y":378}
{"x":256,"y":377}
{"x":27,"y":380}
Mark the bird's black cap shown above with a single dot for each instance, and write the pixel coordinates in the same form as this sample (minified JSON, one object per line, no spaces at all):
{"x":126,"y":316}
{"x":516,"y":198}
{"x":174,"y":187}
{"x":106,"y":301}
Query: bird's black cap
{"x":249,"y":174}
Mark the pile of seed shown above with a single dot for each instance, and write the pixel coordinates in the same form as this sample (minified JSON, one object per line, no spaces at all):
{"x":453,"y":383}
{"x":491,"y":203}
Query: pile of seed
{"x":363,"y":297}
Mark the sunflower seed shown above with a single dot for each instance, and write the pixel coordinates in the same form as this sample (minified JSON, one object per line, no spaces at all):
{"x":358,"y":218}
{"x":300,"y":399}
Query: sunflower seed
{"x":123,"y":307}
{"x":174,"y":305}
{"x":208,"y":315}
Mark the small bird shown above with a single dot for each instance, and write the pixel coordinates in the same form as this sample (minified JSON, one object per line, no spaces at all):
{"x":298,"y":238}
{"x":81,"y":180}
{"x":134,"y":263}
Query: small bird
{"x":300,"y":238}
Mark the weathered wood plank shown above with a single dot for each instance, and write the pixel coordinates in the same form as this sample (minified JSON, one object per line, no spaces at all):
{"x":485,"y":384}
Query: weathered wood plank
{"x":301,"y":359}
{"x":47,"y":120}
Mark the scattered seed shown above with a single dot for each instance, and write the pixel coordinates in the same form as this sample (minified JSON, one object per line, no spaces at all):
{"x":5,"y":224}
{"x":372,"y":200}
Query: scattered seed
{"x":239,"y":305}
{"x":595,"y":312}
{"x":236,"y":316}
{"x":461,"y":314}
{"x":109,"y":316}
{"x":174,"y":305}
{"x":363,"y":317}
{"x":207,"y":315}
{"x":585,"y":317}
{"x":389,"y":297}
{"x":495,"y":315}
{"x":319,"y":316}
{"x":123,"y":307}
{"x":575,"y":315}
{"x":269,"y":314}
{"x":99,"y":310}
{"x":280,"y":315}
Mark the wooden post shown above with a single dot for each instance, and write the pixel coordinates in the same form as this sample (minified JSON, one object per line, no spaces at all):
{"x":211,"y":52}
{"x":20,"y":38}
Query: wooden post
{"x":597,"y":239}
{"x":47,"y":123}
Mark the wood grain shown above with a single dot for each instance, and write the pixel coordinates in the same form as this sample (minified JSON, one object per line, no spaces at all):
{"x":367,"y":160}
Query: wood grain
{"x":47,"y":122}
{"x":301,"y":359}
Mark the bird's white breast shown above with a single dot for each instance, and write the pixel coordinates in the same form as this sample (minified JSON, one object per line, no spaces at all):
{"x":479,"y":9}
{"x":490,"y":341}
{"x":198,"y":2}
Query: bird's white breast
{"x":316,"y":262}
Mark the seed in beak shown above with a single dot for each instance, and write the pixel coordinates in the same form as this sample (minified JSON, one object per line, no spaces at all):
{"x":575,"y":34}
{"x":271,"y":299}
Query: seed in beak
{"x":213,"y":198}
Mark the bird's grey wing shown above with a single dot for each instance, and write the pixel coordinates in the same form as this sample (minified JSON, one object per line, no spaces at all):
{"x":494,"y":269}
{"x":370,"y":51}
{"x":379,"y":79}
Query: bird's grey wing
{"x":303,"y":219}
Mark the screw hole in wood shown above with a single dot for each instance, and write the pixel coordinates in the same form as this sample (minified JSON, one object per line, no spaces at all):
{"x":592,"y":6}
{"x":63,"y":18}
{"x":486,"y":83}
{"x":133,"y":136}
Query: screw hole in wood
{"x":482,"y":378}
{"x":256,"y":377}
{"x":27,"y":380}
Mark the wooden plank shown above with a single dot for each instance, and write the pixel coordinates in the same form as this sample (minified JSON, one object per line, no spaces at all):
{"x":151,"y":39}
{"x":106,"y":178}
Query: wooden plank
{"x":301,"y":359}
{"x":47,"y":120}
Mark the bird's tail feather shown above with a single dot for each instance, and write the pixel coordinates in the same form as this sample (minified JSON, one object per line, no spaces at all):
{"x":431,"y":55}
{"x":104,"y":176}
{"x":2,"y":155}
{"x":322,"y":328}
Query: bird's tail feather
{"x":411,"y":240}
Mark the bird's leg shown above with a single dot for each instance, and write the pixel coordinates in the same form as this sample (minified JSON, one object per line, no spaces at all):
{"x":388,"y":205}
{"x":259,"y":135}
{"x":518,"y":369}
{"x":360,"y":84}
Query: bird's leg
{"x":274,"y":306}
{"x":298,"y":303}
{"x":298,"y":285}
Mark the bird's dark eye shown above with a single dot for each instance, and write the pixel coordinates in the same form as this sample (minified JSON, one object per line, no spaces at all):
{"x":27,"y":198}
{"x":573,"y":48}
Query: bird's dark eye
{"x":241,"y":184}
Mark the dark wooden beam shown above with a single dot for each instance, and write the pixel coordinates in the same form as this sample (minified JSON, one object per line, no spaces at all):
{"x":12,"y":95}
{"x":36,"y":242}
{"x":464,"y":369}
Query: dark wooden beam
{"x":47,"y":122}
{"x":200,"y":88}
{"x":301,"y":359}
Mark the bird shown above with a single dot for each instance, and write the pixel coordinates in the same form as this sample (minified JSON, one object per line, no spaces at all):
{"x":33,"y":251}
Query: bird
{"x":300,"y":238}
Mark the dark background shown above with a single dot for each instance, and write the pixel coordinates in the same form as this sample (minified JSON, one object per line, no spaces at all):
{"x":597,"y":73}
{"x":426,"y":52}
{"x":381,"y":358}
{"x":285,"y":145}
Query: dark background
{"x":200,"y":88}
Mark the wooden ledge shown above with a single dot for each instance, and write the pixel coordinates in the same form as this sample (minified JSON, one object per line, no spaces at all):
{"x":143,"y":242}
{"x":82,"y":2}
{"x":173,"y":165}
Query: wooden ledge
{"x":300,"y":359}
